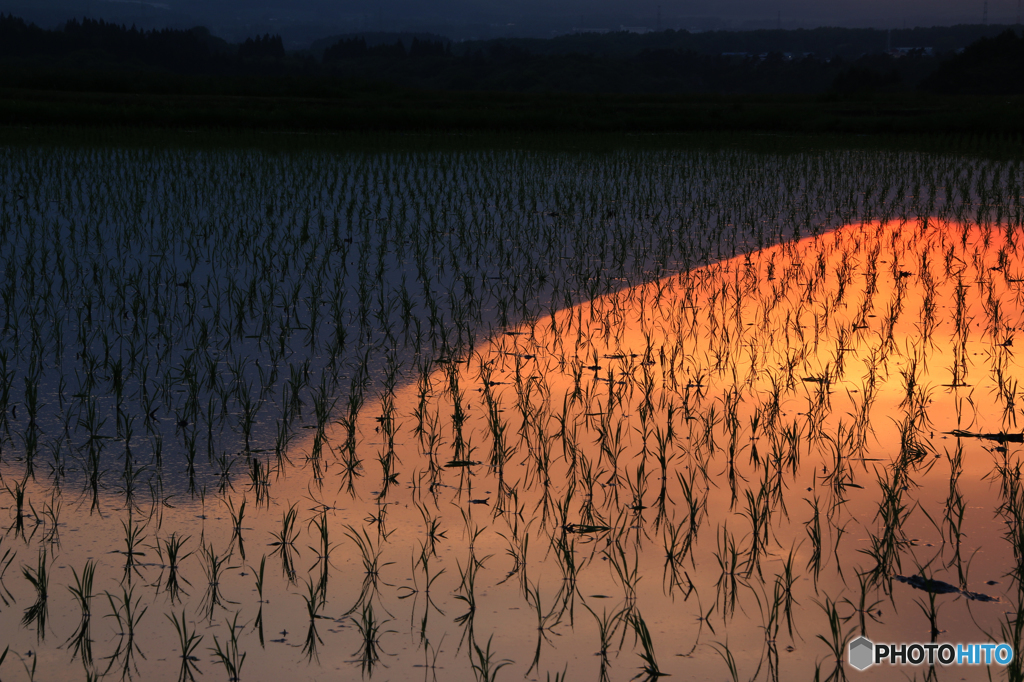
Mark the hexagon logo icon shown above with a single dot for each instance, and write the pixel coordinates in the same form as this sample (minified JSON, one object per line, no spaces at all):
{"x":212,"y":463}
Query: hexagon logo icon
{"x":861,"y":653}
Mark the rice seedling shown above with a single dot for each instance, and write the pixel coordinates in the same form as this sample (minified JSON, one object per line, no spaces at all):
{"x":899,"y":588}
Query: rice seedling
{"x":467,"y":582}
{"x":432,"y":528}
{"x":370,"y":632}
{"x":484,"y":666}
{"x":82,"y":590}
{"x":214,"y":567}
{"x":723,"y":650}
{"x":172,"y":549}
{"x":237,"y":515}
{"x":127,"y":611}
{"x":650,"y":668}
{"x":259,"y":477}
{"x":709,"y":332}
{"x":315,"y":599}
{"x":370,"y":555}
{"x":80,"y":642}
{"x":18,"y":496}
{"x":229,"y":654}
{"x":837,"y":637}
{"x":260,"y":575}
{"x":607,"y":626}
{"x":729,"y":557}
{"x":546,"y":620}
{"x":188,"y":642}
{"x":133,"y":538}
{"x":627,"y":572}
{"x":323,"y":551}
{"x":39,"y":577}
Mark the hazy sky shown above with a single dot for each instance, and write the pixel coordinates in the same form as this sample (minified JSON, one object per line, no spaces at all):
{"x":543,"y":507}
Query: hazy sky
{"x":303,"y":19}
{"x":852,"y":12}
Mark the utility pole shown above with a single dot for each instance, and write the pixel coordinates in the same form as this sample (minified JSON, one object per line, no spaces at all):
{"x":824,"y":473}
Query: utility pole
{"x":657,"y":26}
{"x":779,"y":23}
{"x":984,"y":16}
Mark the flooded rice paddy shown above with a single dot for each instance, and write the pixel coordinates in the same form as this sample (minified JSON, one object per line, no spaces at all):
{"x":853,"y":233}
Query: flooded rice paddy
{"x":503,"y":415}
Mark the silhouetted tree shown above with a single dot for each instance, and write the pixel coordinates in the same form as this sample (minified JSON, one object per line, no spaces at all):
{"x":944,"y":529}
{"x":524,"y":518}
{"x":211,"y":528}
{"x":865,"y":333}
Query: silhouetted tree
{"x":266,"y":47}
{"x":428,"y":48}
{"x":988,"y":66}
{"x":346,"y":48}
{"x":393,"y":51}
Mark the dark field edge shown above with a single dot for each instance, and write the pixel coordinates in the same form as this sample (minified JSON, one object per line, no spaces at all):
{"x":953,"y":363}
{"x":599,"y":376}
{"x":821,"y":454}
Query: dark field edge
{"x":392,"y":119}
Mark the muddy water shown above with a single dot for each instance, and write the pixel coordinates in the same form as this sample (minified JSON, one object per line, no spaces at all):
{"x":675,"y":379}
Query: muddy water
{"x":722,"y":458}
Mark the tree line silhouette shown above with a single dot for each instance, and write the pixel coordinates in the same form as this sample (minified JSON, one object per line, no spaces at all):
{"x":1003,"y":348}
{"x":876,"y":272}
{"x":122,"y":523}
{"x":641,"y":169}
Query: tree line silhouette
{"x":185,"y":51}
{"x":661,"y":63}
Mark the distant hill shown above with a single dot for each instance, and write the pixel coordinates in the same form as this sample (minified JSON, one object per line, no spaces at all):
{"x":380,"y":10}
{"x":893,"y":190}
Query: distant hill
{"x":83,"y":41}
{"x":825,"y":43}
{"x":828,"y":60}
{"x":375,"y":38}
{"x":87,"y":45}
{"x":990,"y":66}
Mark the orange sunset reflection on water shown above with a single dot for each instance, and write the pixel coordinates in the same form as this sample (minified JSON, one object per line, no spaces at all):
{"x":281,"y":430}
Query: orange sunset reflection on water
{"x":844,"y":407}
{"x":753,"y":462}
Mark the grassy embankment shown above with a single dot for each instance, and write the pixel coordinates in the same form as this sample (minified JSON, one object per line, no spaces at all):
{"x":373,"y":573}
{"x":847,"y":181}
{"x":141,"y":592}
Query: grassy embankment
{"x":126,"y":100}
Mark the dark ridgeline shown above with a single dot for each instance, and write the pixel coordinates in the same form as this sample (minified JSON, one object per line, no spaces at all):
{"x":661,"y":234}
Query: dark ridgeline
{"x":267,"y":47}
{"x":348,"y":48}
{"x":429,"y":48}
{"x":827,"y":60}
{"x":841,"y":62}
{"x":862,"y":78}
{"x":511,"y":67}
{"x":88,"y":41}
{"x":988,"y":66}
{"x":91,"y":72}
{"x":824,"y":42}
{"x":357,"y":47}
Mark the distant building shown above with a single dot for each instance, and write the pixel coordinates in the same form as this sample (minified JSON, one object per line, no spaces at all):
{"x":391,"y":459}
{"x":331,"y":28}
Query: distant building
{"x":636,"y":29}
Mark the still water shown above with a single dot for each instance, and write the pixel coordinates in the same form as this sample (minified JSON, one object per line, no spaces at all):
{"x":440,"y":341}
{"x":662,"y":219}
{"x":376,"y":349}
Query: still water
{"x":730,"y":471}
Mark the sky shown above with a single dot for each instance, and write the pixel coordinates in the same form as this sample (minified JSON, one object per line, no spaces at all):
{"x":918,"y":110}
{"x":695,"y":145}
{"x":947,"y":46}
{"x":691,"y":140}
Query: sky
{"x":305,"y":20}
